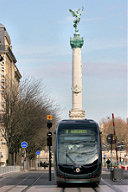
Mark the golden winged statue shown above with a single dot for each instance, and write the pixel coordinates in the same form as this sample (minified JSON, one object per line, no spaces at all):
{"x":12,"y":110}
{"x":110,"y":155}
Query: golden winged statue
{"x":77,"y":15}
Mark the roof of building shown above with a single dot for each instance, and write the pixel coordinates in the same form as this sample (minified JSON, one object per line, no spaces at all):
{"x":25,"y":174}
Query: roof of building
{"x":2,"y":26}
{"x":5,"y":33}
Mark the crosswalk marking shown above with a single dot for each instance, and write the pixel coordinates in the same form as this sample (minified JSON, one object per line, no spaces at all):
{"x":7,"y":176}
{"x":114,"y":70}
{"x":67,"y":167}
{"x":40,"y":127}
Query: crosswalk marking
{"x":87,"y":189}
{"x":54,"y":188}
{"x":41,"y":188}
{"x":17,"y":188}
{"x":71,"y":189}
{"x":4,"y":188}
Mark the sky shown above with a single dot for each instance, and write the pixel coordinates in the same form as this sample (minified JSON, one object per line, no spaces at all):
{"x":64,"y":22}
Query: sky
{"x":40,"y":34}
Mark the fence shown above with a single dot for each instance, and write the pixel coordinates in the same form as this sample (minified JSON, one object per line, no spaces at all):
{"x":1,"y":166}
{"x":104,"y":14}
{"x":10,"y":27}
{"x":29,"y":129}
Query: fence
{"x":9,"y":169}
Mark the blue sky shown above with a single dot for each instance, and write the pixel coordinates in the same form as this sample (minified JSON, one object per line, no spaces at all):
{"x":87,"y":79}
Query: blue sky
{"x":40,"y":32}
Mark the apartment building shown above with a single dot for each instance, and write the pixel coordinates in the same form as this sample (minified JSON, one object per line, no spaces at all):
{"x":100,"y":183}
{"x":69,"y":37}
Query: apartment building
{"x":10,"y":72}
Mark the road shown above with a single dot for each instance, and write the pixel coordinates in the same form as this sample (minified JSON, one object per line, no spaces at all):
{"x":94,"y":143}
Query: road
{"x":37,"y":181}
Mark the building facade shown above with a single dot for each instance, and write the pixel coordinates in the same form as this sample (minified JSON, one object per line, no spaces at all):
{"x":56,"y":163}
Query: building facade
{"x":9,"y":73}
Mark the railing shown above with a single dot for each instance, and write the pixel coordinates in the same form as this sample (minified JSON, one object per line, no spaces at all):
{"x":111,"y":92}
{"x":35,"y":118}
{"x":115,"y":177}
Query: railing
{"x":9,"y":169}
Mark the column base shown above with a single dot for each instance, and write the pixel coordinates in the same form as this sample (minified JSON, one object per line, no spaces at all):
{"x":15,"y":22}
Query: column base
{"x":76,"y":114}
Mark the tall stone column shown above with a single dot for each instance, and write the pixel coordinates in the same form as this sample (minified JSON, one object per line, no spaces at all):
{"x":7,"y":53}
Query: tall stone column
{"x":76,"y":112}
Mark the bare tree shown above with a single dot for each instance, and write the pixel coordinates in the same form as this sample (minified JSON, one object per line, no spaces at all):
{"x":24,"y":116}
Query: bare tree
{"x":121,"y":127}
{"x":24,"y":118}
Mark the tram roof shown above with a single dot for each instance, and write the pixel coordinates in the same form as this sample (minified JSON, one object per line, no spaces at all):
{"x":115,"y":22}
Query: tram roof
{"x":85,"y":121}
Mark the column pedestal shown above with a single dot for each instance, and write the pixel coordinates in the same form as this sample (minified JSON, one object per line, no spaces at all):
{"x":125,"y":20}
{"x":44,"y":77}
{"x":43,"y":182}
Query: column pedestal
{"x":77,"y":114}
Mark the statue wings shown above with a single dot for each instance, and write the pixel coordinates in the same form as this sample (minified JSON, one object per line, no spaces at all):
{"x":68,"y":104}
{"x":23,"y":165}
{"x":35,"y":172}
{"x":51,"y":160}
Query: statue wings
{"x":72,"y":12}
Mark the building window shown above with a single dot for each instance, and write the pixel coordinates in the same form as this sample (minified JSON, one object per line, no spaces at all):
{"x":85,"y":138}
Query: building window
{"x":2,"y":80}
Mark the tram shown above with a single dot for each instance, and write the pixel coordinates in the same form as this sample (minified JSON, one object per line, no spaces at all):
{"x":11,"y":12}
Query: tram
{"x":78,"y":156}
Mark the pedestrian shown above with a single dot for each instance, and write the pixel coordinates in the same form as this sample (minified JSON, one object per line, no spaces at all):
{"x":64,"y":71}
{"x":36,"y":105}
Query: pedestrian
{"x":45,"y":165}
{"x":41,"y":163}
{"x":108,"y":163}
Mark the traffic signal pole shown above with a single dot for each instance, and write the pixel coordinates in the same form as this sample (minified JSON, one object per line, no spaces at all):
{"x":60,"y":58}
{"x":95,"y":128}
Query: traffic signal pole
{"x":49,"y":143}
{"x":50,"y":163}
{"x":115,"y":138}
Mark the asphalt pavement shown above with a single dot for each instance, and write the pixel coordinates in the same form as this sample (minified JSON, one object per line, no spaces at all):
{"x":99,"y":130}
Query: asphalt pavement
{"x":39,"y":181}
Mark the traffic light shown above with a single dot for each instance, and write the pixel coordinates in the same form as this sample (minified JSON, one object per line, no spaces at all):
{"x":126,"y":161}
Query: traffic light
{"x":49,"y":138}
{"x":1,"y":58}
{"x":49,"y":124}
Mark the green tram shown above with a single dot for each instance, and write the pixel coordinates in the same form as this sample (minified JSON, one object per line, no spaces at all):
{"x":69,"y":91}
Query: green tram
{"x":78,"y":156}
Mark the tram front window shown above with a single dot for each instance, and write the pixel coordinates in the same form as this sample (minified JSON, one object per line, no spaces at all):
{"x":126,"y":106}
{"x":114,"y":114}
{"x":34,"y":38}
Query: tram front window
{"x":77,"y":148}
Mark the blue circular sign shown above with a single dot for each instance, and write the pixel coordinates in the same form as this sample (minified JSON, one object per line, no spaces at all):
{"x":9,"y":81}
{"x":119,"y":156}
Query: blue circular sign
{"x":104,"y":155}
{"x":24,"y":144}
{"x":38,"y":152}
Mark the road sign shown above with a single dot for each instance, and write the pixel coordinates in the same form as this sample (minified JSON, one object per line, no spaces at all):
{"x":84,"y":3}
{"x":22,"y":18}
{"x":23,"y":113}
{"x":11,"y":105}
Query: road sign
{"x":38,"y":152}
{"x":104,"y":155}
{"x":49,"y":117}
{"x":24,"y":144}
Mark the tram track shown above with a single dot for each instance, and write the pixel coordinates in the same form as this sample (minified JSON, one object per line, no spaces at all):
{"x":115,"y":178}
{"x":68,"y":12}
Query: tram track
{"x":30,"y":181}
{"x":28,"y":187}
{"x":93,"y":189}
{"x":18,"y":183}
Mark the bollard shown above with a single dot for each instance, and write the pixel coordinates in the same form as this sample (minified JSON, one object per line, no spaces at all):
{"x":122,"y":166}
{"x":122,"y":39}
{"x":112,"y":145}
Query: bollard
{"x":116,"y":174}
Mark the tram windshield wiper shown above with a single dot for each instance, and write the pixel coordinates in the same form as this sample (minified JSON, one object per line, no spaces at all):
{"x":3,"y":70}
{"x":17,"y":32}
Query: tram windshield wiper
{"x":67,"y":155}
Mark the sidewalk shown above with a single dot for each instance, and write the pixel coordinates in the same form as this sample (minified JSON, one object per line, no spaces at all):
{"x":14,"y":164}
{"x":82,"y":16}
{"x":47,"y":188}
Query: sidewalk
{"x":105,"y":170}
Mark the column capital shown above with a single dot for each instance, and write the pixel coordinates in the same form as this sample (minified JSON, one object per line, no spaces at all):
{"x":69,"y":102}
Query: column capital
{"x":76,"y":41}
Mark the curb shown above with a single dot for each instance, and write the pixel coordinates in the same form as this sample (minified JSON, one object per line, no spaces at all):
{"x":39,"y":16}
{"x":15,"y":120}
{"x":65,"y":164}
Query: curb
{"x":124,"y":167}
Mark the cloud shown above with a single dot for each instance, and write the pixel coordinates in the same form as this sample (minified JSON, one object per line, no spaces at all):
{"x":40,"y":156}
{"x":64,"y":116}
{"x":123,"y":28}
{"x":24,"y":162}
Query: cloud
{"x":105,"y":70}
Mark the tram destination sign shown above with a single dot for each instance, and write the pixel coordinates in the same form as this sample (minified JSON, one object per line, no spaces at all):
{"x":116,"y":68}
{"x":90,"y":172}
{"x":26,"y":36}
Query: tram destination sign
{"x":75,"y":131}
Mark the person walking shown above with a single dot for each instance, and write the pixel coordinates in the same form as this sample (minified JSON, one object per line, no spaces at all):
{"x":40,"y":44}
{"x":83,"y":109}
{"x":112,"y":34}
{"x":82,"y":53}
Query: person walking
{"x":108,"y":163}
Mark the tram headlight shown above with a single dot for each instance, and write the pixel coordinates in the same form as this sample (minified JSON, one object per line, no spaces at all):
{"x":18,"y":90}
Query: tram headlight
{"x":77,"y":170}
